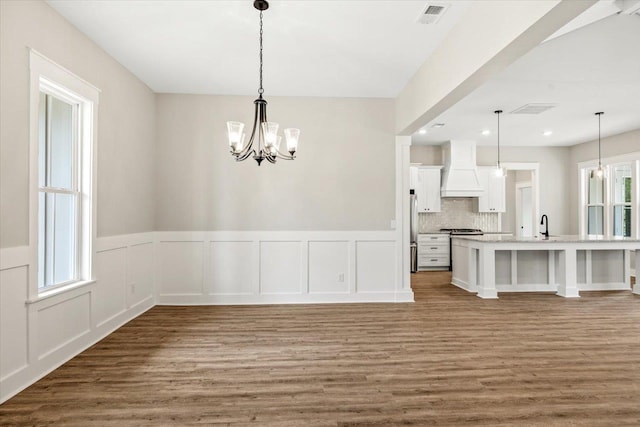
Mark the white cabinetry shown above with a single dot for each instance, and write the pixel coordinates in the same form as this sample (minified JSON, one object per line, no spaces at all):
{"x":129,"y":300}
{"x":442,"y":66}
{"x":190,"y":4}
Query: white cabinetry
{"x":433,"y":251}
{"x":493,"y":199}
{"x":428,"y":189}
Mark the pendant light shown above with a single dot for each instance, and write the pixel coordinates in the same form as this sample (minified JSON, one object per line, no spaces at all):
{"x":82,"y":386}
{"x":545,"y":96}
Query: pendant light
{"x":598,"y":173}
{"x":499,"y":171}
{"x":264,"y":143}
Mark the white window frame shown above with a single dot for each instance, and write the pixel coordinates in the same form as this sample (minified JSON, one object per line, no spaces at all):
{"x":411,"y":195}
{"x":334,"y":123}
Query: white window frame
{"x":612,"y":184}
{"x":605,"y":195}
{"x":49,"y":77}
{"x":583,"y":177}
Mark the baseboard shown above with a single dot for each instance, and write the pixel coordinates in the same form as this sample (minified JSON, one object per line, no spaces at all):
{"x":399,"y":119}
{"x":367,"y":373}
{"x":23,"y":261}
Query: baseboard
{"x":604,"y":287}
{"x":462,"y":285}
{"x":530,"y":287}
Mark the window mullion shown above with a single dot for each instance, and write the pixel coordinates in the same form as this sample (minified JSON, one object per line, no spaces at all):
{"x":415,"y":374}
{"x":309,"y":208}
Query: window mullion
{"x":58,"y":190}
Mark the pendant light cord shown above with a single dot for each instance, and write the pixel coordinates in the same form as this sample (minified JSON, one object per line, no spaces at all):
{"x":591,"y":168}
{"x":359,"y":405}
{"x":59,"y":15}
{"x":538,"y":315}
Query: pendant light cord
{"x":498,"y":139}
{"x":498,"y":112}
{"x":599,"y":153}
{"x":260,"y":90}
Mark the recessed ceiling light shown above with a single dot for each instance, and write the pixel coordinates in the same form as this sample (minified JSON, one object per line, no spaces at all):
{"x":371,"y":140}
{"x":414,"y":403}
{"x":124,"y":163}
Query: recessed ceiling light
{"x":422,"y":131}
{"x":547,"y":132}
{"x":486,"y":132}
{"x":437,"y":125}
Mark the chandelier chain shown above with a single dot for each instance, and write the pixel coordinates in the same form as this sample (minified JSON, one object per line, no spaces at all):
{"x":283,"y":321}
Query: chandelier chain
{"x":261,"y":89}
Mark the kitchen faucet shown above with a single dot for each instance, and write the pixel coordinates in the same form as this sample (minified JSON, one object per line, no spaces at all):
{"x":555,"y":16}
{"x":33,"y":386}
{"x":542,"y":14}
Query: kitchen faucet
{"x":545,"y":221}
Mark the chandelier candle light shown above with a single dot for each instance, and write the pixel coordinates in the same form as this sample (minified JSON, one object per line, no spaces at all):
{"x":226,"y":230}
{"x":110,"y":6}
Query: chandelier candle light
{"x":500,"y":172}
{"x":264,"y":142}
{"x":598,"y":173}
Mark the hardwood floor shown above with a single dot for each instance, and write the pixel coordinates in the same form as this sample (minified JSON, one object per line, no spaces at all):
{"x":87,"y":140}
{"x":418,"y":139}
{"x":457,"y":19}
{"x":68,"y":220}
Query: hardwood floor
{"x":449,"y":359}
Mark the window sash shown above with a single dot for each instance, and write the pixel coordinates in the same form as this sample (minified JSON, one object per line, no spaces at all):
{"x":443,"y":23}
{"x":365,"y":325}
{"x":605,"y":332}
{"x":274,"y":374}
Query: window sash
{"x":48,"y":233}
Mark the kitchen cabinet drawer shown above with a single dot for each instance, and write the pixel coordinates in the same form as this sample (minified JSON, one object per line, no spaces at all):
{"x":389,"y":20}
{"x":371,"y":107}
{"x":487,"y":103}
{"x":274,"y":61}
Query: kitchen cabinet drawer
{"x":433,"y":238}
{"x":433,"y":261}
{"x":433,"y":249}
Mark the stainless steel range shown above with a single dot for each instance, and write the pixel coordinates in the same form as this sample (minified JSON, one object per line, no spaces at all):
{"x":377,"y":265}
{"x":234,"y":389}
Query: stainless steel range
{"x":459,"y":232}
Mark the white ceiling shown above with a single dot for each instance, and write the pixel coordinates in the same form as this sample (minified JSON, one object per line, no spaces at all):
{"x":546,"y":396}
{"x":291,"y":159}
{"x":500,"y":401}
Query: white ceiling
{"x":594,"y":68}
{"x":312,"y":48}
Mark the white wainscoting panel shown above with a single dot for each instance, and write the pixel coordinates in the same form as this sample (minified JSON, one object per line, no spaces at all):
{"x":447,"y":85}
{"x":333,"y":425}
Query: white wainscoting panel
{"x":61,"y":323}
{"x":180,"y":268}
{"x":37,"y":336}
{"x":277,"y":267}
{"x":375,"y":266}
{"x":232,"y":268}
{"x":280,"y":268}
{"x":140,"y":273}
{"x":111,"y":266}
{"x":13,"y":320}
{"x":329,"y":267}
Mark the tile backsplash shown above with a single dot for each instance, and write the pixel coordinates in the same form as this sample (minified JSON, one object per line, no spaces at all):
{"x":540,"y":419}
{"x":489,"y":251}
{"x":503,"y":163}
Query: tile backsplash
{"x":457,"y":213}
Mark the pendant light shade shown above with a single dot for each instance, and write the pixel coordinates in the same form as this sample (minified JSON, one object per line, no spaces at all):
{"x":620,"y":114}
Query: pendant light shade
{"x":598,"y":173}
{"x":264,"y":142}
{"x":499,"y":171}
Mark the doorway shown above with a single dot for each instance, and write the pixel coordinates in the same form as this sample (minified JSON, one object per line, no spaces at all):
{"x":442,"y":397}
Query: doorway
{"x":524,"y":209}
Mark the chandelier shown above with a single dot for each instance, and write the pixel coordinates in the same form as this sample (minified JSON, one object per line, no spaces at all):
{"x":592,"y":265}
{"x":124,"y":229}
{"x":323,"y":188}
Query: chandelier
{"x":264,"y":143}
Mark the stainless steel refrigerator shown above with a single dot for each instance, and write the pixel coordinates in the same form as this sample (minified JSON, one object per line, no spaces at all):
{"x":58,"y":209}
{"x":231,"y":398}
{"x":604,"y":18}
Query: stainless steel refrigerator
{"x":413,"y":229}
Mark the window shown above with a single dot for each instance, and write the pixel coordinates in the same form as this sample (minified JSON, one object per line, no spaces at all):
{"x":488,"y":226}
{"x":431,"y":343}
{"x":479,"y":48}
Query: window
{"x":611,"y":206}
{"x":58,"y":192}
{"x":595,"y":205}
{"x":63,"y":114}
{"x":621,"y":203}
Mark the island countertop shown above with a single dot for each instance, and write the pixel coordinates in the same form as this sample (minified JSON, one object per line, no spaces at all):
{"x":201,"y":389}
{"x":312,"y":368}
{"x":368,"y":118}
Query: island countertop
{"x":500,"y":238}
{"x":490,"y":263}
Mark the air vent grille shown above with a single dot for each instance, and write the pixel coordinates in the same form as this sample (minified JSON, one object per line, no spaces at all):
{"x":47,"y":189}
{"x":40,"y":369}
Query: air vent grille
{"x":533,"y":109}
{"x":433,"y":10}
{"x":432,"y":13}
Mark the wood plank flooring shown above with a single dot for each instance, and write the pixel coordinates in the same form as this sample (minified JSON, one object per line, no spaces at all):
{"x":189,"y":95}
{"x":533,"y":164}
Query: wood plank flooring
{"x":449,"y":359}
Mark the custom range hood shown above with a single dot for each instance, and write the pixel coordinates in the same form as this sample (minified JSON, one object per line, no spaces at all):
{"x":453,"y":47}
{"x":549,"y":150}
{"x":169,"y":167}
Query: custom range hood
{"x":460,"y":172}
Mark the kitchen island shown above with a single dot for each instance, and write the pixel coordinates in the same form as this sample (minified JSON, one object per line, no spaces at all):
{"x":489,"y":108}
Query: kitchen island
{"x":565,"y":265}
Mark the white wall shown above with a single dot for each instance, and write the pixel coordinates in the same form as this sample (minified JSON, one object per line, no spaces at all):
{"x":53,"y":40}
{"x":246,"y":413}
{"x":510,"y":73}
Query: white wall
{"x":37,"y":336}
{"x":125,"y":123}
{"x":316,"y":229}
{"x":342,"y":179}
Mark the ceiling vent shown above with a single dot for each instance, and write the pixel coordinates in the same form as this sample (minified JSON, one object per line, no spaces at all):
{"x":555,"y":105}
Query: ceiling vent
{"x":533,"y":109}
{"x":432,"y":13}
